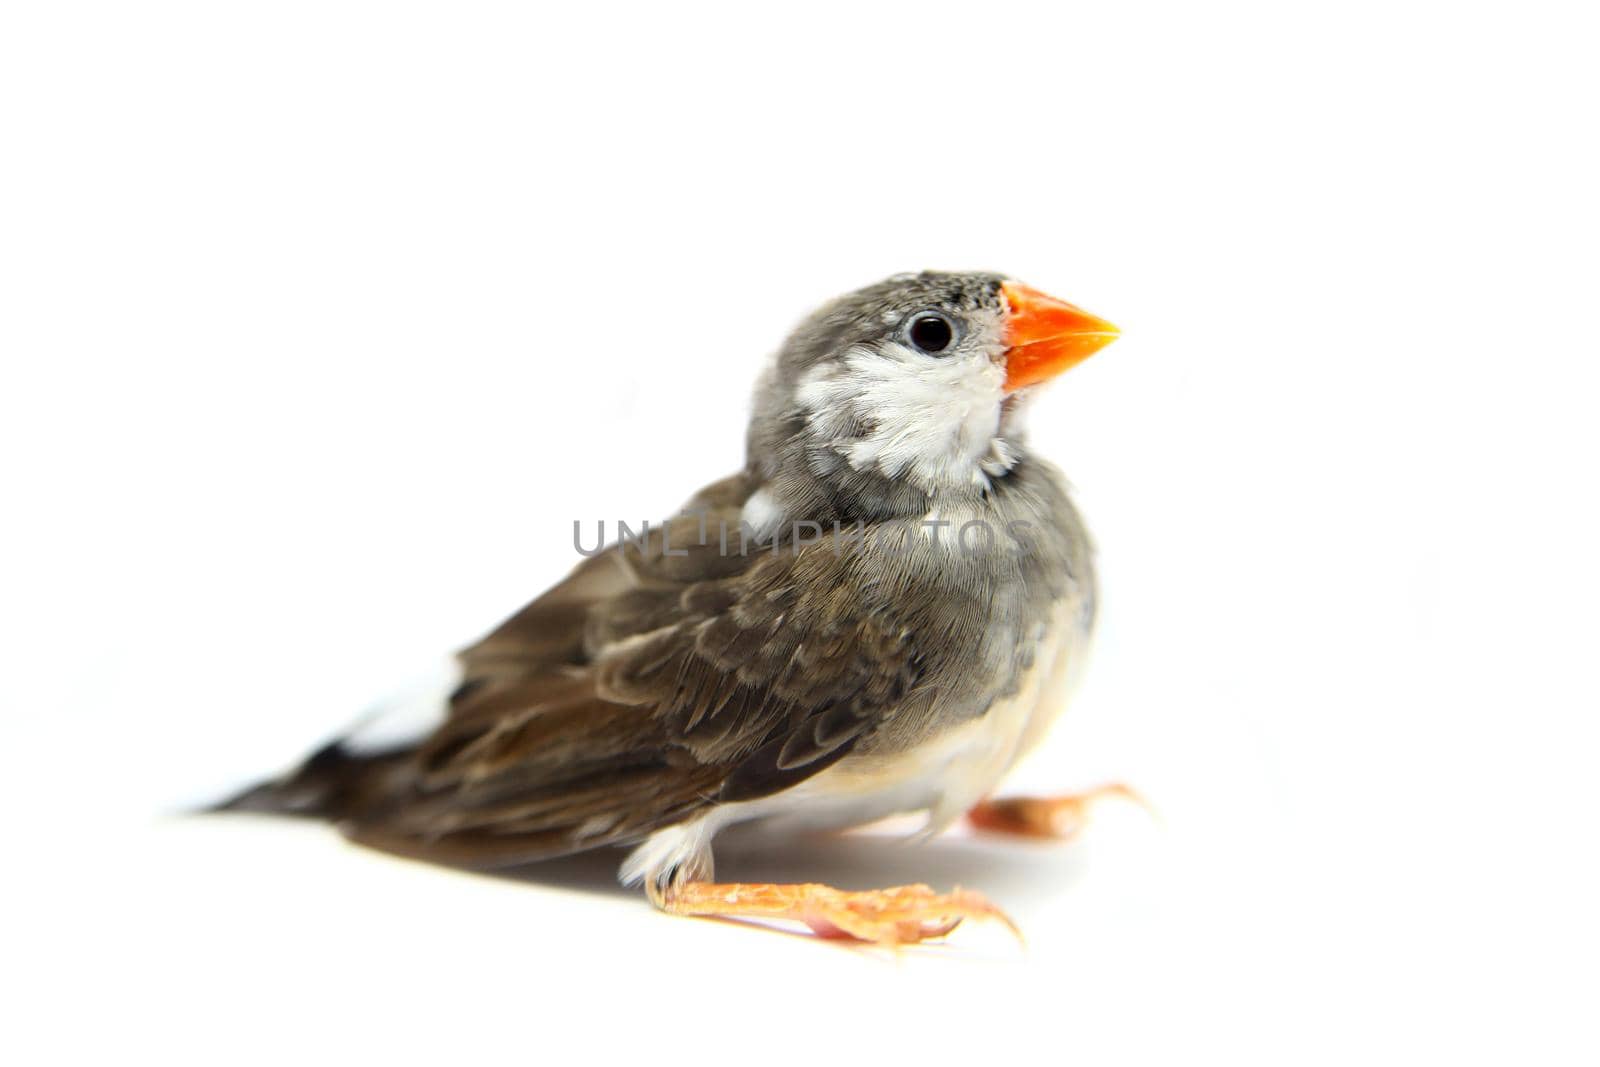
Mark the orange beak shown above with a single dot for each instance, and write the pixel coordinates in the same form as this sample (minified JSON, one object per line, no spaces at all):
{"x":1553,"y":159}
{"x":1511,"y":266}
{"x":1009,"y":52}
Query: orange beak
{"x":1045,"y":336}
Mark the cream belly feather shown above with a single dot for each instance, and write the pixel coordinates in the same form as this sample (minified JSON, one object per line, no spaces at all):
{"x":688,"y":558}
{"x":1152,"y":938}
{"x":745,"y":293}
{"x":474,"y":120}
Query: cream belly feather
{"x":944,"y":777}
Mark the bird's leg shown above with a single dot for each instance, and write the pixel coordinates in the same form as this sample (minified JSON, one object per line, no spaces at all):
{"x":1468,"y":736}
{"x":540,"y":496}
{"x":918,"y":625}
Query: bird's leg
{"x":1059,"y":817}
{"x":902,"y":915}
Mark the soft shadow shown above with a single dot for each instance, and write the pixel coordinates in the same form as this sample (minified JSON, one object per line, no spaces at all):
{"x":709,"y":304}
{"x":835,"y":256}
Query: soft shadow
{"x":586,"y":872}
{"x":1016,"y":872}
{"x":1011,"y":872}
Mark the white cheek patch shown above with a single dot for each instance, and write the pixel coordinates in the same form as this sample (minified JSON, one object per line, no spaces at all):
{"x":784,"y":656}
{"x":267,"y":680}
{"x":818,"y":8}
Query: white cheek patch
{"x":906,"y":415}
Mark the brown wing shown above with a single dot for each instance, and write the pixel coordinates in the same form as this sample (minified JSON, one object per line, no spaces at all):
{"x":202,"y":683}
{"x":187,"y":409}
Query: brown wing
{"x":645,"y":687}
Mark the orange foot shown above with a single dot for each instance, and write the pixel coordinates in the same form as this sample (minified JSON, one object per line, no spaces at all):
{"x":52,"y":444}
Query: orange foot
{"x":902,"y":915}
{"x":1055,"y":817}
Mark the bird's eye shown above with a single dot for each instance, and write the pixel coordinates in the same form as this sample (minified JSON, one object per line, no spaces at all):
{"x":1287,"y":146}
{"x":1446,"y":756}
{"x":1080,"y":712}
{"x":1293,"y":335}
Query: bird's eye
{"x":931,"y":332}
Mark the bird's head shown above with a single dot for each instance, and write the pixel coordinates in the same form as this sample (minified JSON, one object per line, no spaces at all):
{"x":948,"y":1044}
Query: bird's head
{"x":910,"y":391}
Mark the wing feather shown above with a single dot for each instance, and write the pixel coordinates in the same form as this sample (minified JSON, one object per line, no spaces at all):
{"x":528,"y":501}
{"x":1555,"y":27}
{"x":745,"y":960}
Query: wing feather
{"x":645,"y":687}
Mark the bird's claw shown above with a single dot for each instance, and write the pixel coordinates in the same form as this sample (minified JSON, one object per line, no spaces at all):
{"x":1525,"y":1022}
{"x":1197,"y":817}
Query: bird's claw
{"x":1059,"y":817}
{"x":901,"y":915}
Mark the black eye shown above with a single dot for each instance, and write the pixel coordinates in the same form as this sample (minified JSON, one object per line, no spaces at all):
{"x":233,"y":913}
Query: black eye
{"x":931,"y":333}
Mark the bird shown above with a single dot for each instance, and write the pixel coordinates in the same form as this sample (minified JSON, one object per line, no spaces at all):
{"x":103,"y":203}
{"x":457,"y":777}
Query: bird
{"x":878,"y":615}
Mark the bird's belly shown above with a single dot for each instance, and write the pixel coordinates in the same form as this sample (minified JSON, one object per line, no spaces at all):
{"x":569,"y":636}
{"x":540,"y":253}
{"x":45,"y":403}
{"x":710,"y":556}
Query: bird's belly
{"x":948,"y":774}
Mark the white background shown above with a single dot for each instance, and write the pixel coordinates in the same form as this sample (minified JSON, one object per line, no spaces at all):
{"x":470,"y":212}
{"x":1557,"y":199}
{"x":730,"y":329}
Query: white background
{"x":321,"y":322}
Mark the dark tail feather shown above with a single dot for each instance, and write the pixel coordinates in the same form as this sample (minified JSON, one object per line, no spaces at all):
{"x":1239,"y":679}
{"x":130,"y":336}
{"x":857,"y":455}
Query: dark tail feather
{"x":324,"y":786}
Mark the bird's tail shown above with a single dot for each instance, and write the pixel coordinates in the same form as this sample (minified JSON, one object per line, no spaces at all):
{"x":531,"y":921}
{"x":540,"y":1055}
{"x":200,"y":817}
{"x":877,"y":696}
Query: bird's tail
{"x":364,"y":767}
{"x":330,"y":784}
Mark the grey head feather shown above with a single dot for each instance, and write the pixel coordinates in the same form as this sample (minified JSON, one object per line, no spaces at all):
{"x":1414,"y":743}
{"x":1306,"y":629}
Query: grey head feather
{"x":852,"y":422}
